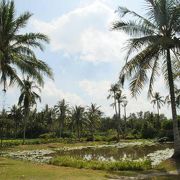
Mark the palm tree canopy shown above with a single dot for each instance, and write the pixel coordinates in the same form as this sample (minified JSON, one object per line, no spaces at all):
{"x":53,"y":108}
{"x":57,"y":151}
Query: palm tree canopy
{"x":16,"y":49}
{"x":157,"y":100}
{"x":28,"y":94}
{"x":62,"y":108}
{"x":152,"y":35}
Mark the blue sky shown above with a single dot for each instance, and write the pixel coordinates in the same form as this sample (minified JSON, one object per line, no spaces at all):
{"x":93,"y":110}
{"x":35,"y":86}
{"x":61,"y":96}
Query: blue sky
{"x":85,"y":55}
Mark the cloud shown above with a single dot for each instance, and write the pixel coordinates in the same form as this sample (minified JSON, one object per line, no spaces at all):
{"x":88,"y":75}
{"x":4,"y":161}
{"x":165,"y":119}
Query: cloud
{"x":85,"y":31}
{"x":51,"y":94}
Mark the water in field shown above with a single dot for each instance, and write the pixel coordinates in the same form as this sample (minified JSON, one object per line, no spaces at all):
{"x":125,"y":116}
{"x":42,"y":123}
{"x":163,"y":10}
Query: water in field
{"x":114,"y":153}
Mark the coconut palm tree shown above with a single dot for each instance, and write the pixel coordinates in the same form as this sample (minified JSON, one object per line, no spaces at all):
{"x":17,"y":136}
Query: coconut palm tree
{"x":17,"y":49}
{"x":62,"y":109}
{"x":27,"y":99}
{"x":78,"y":119}
{"x":120,"y":98}
{"x":124,"y":105}
{"x":93,"y":117}
{"x":158,"y":101}
{"x":112,"y":93}
{"x":155,"y":38}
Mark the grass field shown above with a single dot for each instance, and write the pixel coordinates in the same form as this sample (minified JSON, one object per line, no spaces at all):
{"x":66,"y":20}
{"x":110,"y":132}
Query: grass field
{"x":20,"y":170}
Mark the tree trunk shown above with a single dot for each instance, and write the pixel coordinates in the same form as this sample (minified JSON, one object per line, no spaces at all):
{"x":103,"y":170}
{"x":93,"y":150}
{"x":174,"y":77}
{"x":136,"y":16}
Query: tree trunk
{"x":125,"y":119}
{"x":25,"y":124}
{"x":173,"y":107}
{"x":158,"y":123}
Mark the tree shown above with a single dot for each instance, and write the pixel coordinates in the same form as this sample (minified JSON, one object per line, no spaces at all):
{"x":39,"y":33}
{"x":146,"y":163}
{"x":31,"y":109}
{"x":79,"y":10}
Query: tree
{"x":120,"y":98}
{"x":93,"y":118}
{"x":62,"y":110}
{"x":16,"y":116}
{"x":16,"y":49}
{"x":27,"y":99}
{"x":78,"y":119}
{"x":113,"y":90}
{"x":154,"y":36}
{"x":124,"y":105}
{"x":158,"y":101}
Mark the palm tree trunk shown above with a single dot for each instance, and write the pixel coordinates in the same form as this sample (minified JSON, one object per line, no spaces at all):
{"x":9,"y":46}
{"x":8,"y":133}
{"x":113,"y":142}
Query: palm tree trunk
{"x":158,"y":123}
{"x":125,"y":119}
{"x":173,"y":107}
{"x":25,"y":124}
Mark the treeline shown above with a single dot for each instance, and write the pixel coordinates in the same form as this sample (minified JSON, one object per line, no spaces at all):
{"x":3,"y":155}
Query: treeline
{"x":87,"y":123}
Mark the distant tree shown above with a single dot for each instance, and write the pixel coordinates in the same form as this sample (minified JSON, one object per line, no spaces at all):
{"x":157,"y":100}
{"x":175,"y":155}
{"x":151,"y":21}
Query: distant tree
{"x":158,"y":101}
{"x":16,"y":116}
{"x":27,"y":99}
{"x":120,"y":98}
{"x":78,"y":119}
{"x":61,"y":110}
{"x":93,"y":118}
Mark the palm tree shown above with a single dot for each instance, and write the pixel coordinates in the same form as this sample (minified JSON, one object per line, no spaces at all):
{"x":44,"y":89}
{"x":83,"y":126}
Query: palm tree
{"x":27,"y":99}
{"x":154,"y":36}
{"x":16,"y":49}
{"x":62,"y":110}
{"x":120,"y":98}
{"x":158,"y":101}
{"x":93,"y":117}
{"x":16,"y":115}
{"x":78,"y":119}
{"x":113,"y":90}
{"x":124,"y":105}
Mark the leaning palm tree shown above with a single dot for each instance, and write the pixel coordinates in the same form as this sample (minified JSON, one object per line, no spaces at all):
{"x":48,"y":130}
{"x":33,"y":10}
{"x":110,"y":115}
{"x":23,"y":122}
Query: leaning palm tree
{"x":27,"y":99}
{"x":16,"y":49}
{"x":62,"y":109}
{"x":78,"y":119}
{"x":93,"y":118}
{"x":157,"y":101}
{"x":155,"y":38}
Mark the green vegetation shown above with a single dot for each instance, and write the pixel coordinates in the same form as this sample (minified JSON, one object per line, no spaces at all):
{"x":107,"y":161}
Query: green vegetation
{"x":101,"y":165}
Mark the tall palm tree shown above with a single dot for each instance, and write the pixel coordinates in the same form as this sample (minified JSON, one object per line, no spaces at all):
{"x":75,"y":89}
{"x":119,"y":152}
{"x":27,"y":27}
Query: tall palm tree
{"x":124,"y":105}
{"x":154,"y":36}
{"x":78,"y":119}
{"x":93,"y":117}
{"x":27,"y":99}
{"x":62,"y":109}
{"x":157,"y":101}
{"x":16,"y":49}
{"x":120,"y":98}
{"x":112,"y":94}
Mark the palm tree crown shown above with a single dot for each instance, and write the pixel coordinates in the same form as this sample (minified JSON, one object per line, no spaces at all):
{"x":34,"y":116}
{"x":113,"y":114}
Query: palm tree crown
{"x":16,"y":49}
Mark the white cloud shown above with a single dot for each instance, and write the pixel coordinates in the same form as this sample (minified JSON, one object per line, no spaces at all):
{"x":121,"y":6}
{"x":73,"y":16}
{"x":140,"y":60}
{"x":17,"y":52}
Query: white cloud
{"x":85,"y":31}
{"x":51,"y":94}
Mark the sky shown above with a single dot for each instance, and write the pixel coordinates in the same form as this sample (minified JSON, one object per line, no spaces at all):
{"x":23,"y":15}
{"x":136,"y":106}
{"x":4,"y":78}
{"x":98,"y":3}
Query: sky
{"x":84,"y":54}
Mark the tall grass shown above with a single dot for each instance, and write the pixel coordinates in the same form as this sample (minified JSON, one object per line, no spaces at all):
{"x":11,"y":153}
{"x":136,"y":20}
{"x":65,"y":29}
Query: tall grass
{"x":100,"y":165}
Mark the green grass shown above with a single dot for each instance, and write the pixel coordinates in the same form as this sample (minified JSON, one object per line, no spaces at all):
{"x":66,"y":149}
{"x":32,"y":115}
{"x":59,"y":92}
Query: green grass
{"x":20,"y":170}
{"x":101,"y":165}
